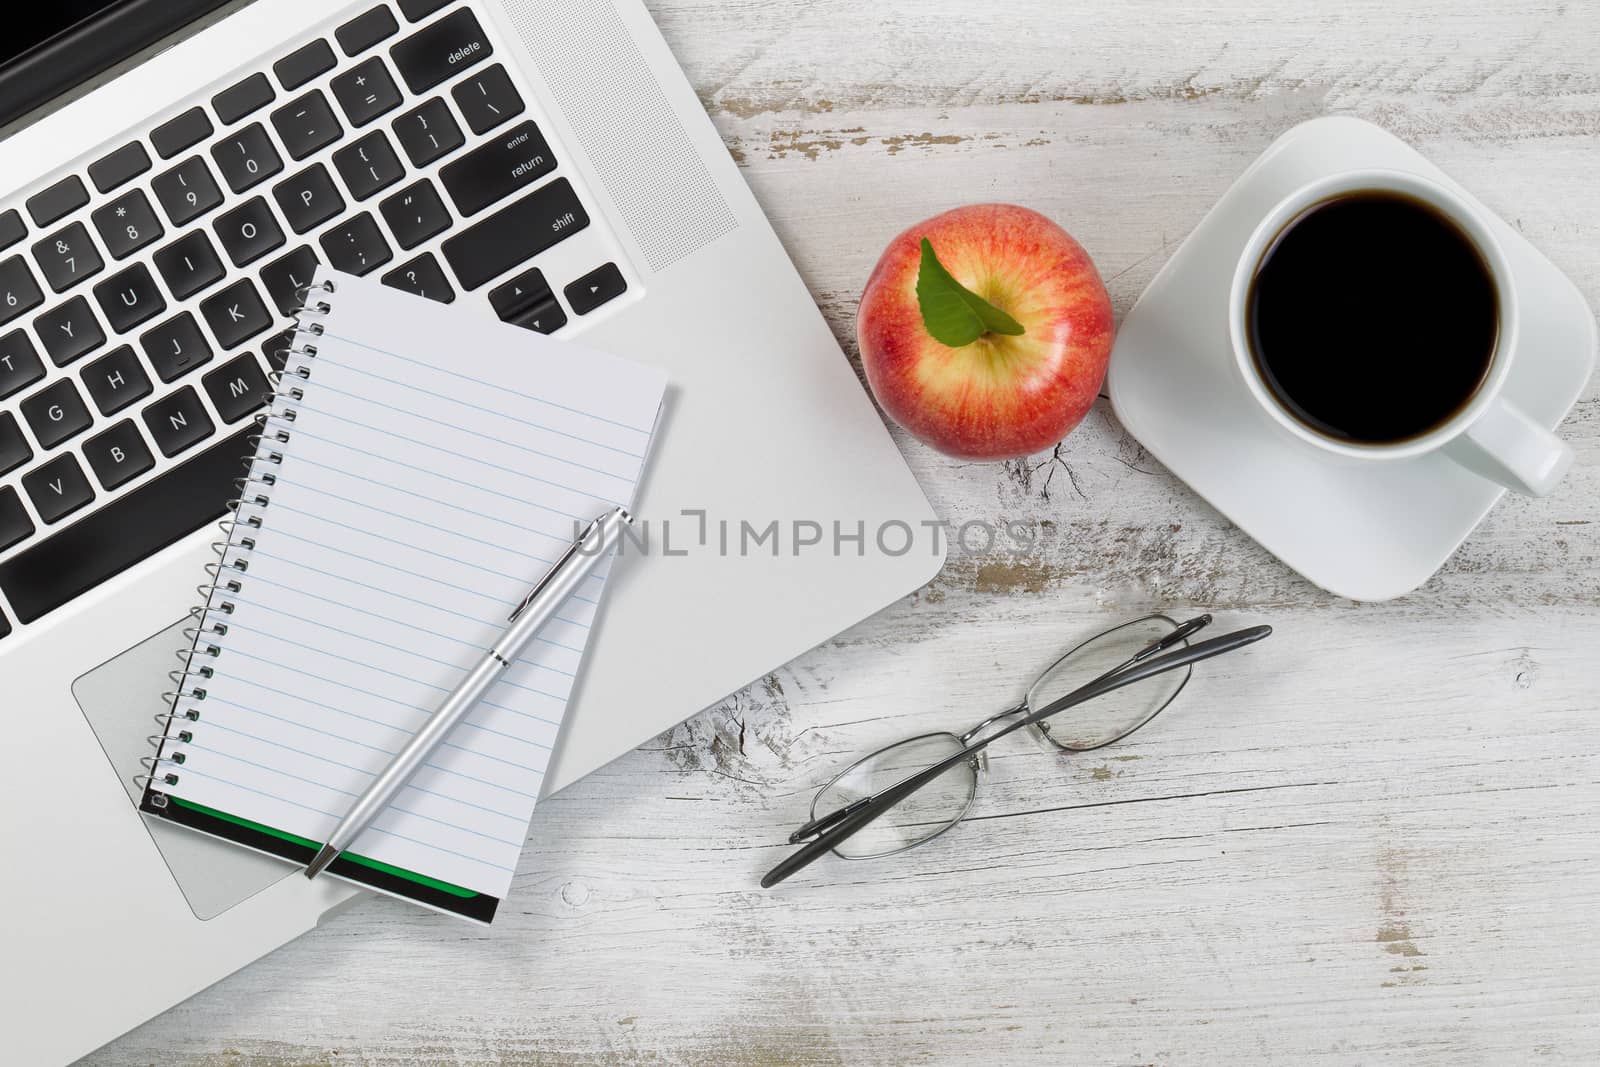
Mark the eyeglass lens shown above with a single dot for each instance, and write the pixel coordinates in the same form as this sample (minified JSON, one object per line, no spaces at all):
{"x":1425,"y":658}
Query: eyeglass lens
{"x":1112,"y":715}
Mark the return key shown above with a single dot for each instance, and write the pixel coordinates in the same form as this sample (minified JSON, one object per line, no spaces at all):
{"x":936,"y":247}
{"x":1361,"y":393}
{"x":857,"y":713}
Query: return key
{"x":515,"y":159}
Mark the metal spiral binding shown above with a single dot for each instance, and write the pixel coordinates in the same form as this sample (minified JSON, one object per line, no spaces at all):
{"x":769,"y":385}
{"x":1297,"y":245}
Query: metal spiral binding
{"x":237,"y":532}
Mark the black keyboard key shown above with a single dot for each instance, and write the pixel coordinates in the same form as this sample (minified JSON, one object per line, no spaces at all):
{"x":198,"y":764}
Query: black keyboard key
{"x":356,"y":246}
{"x":129,"y":298}
{"x":58,"y":201}
{"x":5,"y":627}
{"x":127,"y":224}
{"x":69,"y":331}
{"x":67,"y":257}
{"x":246,"y":158}
{"x":174,"y":135}
{"x":368,"y":165}
{"x":249,"y":231}
{"x":306,"y":124}
{"x":488,"y":98}
{"x":123,"y":165}
{"x":187,"y":191}
{"x":511,"y":298}
{"x":116,"y":380}
{"x":12,"y":228}
{"x":20,"y":365}
{"x":14,"y":450}
{"x":237,"y":101}
{"x":189,"y":264}
{"x":416,"y":10}
{"x":172,"y":505}
{"x":119,"y":455}
{"x":56,"y":413}
{"x":237,"y":388}
{"x":235,"y":314}
{"x":14,"y":526}
{"x":176,"y":347}
{"x":366,"y":30}
{"x":441,"y":50}
{"x":178,"y":422}
{"x":286,"y":278}
{"x":415,"y":214}
{"x":421,"y":277}
{"x":599,"y":286}
{"x":514,"y":234}
{"x":275,"y":349}
{"x":308,"y":199}
{"x":515,"y":159}
{"x":543,"y":317}
{"x":19,"y":293}
{"x":304,"y":64}
{"x":428,"y":132}
{"x":365,"y":91}
{"x":58,"y":488}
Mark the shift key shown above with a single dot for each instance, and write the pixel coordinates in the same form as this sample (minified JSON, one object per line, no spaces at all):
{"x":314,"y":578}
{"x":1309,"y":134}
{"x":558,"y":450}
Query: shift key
{"x":515,"y":159}
{"x":514,"y":234}
{"x":431,"y":55}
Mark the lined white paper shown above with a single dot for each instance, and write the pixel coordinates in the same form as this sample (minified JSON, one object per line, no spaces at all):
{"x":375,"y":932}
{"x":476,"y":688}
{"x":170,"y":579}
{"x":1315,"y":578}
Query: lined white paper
{"x":435,"y":465}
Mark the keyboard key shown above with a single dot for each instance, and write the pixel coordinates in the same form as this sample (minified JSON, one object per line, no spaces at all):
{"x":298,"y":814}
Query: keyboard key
{"x":58,"y":201}
{"x":599,"y":286}
{"x":14,"y":450}
{"x":544,"y":217}
{"x":12,"y":228}
{"x":487,"y":99}
{"x":526,"y":301}
{"x":416,"y":10}
{"x":306,"y":124}
{"x":421,"y":277}
{"x":543,"y":317}
{"x":365,"y":91}
{"x":428,"y":132}
{"x":127,"y":224}
{"x":69,"y":331}
{"x":123,"y":165}
{"x":308,"y":199}
{"x":189,"y":264}
{"x":174,"y":135}
{"x":276,"y":348}
{"x":249,"y":231}
{"x":515,"y":159}
{"x":129,"y":298}
{"x":237,"y":101}
{"x":116,"y":380}
{"x":356,"y":246}
{"x":56,"y":413}
{"x":176,"y":347}
{"x":415,"y":214}
{"x":368,"y":165}
{"x":441,"y":50}
{"x":119,"y":455}
{"x":178,"y":422}
{"x":14,"y":524}
{"x":237,"y":388}
{"x":58,"y":488}
{"x":20,"y":365}
{"x":5,"y":627}
{"x":67,"y":257}
{"x":246,"y":158}
{"x":235,"y":314}
{"x":19,"y":293}
{"x":304,"y":64}
{"x":46,"y":575}
{"x":366,"y":30}
{"x":287,"y":277}
{"x":187,"y":191}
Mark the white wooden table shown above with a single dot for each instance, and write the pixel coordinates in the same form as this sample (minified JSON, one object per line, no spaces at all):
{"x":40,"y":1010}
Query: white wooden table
{"x":1370,"y":839}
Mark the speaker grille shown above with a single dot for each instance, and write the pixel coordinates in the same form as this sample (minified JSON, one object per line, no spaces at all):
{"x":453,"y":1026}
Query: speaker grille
{"x":620,"y":115}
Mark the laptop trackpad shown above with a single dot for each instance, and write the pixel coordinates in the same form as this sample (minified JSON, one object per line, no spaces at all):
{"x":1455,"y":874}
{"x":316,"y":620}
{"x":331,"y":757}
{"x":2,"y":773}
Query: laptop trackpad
{"x":121,"y":699}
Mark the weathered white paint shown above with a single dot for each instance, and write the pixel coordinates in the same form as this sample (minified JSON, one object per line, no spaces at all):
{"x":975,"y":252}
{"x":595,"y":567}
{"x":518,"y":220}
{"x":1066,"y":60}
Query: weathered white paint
{"x":1371,"y":838}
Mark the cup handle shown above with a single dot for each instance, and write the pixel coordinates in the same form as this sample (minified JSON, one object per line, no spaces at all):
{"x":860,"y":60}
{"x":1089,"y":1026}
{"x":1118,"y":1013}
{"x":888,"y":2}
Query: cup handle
{"x":1504,"y":445}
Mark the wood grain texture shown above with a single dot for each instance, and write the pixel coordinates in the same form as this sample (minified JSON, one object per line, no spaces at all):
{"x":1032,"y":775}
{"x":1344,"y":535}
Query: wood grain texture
{"x":1370,"y":839}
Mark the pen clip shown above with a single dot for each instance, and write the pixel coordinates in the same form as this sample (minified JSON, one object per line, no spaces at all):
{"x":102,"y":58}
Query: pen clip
{"x":555,"y":569}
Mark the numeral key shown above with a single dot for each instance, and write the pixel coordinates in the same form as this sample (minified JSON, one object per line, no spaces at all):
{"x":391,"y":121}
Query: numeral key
{"x":488,"y":98}
{"x":368,"y":165}
{"x":306,"y":124}
{"x":176,"y":347}
{"x":116,"y":380}
{"x":20,"y":365}
{"x":365,"y":91}
{"x":428,"y":132}
{"x":421,"y":277}
{"x":67,"y":257}
{"x":187,"y":191}
{"x":246,"y":158}
{"x":308,"y":199}
{"x":356,"y":245}
{"x":58,"y":488}
{"x":178,"y":422}
{"x":415,"y":214}
{"x":235,"y":314}
{"x":119,"y":455}
{"x":19,"y":293}
{"x":189,"y":264}
{"x":56,"y":413}
{"x":287,"y":276}
{"x":127,"y":224}
{"x":249,"y":231}
{"x":129,"y":298}
{"x":69,"y":331}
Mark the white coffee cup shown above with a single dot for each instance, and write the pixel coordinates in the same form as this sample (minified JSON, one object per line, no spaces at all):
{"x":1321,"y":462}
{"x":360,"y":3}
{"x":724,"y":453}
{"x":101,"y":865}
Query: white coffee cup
{"x":1489,"y":435}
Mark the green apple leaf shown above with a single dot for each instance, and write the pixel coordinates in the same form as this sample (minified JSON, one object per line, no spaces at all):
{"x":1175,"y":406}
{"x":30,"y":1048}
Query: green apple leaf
{"x":952,"y":313}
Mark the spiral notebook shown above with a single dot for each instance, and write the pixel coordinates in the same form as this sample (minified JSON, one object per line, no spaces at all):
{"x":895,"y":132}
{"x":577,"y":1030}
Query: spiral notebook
{"x":417,"y":470}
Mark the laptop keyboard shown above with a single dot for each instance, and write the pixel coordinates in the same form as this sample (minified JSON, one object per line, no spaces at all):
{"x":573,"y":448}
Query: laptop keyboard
{"x":144,"y":300}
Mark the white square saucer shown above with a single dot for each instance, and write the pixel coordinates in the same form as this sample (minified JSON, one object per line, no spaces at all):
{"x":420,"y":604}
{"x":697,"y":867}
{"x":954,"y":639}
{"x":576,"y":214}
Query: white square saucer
{"x":1367,"y":531}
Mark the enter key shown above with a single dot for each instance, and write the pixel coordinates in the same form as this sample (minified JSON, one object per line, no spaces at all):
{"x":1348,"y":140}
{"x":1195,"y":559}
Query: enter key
{"x":513,"y":160}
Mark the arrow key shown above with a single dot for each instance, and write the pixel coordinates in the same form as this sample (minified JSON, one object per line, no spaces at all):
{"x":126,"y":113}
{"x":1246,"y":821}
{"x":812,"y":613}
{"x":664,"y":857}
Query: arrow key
{"x":520,"y":294}
{"x":596,"y":288}
{"x":544,"y":317}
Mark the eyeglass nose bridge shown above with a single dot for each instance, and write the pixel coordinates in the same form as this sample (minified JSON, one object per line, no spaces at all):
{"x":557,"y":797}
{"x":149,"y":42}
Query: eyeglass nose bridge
{"x":968,"y":737}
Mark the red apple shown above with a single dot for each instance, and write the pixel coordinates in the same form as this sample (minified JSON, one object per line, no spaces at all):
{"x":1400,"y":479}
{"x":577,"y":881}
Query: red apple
{"x":1001,"y":395}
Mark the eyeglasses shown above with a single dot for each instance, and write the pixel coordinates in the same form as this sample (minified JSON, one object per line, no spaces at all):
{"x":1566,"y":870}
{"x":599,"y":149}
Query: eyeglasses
{"x":910,"y":792}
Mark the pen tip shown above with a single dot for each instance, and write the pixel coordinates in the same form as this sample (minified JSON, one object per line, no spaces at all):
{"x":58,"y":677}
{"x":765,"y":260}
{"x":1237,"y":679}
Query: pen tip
{"x":320,"y":861}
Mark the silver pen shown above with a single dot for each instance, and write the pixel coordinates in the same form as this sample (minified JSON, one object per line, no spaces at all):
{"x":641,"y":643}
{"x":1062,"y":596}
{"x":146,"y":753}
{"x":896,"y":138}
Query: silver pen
{"x":537,"y":608}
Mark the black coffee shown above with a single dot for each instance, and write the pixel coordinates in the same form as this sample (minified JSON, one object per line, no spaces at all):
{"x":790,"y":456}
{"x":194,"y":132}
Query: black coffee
{"x":1372,"y":318}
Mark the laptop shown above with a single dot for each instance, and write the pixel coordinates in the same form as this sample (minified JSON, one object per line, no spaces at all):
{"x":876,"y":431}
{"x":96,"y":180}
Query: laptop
{"x":174,"y":170}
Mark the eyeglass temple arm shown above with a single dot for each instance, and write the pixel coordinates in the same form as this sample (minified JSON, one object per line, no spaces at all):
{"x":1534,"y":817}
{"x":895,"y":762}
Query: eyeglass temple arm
{"x":869,"y":808}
